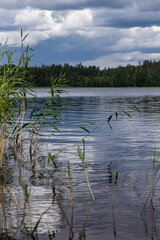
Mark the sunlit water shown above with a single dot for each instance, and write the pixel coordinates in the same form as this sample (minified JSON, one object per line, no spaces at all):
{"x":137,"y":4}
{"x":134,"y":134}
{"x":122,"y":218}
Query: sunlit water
{"x":126,"y":147}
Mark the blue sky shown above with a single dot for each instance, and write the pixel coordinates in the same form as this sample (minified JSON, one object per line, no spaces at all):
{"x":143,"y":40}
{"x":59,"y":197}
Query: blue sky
{"x":105,"y":33}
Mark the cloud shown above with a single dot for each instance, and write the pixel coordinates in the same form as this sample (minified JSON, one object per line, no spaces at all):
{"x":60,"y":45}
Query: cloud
{"x":45,"y":24}
{"x":138,"y":38}
{"x":33,"y":17}
{"x":122,"y":59}
{"x":148,"y":5}
{"x":88,"y":30}
{"x":65,"y":4}
{"x":125,"y":18}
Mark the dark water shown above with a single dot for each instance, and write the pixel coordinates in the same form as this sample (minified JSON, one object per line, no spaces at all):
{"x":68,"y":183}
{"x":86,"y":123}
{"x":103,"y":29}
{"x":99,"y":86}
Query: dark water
{"x":127,"y":148}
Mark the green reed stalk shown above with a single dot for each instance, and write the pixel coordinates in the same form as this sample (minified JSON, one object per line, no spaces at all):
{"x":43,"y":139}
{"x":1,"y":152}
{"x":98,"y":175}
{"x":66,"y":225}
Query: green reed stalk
{"x":115,"y":176}
{"x":12,"y":92}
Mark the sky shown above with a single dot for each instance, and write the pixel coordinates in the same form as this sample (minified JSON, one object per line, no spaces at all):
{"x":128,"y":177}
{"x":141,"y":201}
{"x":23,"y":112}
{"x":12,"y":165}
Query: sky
{"x":104,"y":33}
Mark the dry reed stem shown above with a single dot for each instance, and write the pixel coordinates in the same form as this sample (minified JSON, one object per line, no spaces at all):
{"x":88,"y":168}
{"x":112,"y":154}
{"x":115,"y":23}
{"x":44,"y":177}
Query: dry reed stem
{"x":2,"y":200}
{"x":29,"y":214}
{"x":15,"y":199}
{"x":2,"y":141}
{"x":89,"y":184}
{"x":70,"y":196}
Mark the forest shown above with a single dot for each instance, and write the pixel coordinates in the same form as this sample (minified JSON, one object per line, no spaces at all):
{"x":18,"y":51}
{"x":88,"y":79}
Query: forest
{"x":146,"y":74}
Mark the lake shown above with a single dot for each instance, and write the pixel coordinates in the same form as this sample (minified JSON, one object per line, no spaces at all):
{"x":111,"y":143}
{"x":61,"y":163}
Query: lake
{"x":125,"y":148}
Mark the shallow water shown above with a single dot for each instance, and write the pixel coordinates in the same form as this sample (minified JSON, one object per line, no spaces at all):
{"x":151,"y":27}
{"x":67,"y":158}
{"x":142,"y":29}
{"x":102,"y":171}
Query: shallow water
{"x":127,"y":147}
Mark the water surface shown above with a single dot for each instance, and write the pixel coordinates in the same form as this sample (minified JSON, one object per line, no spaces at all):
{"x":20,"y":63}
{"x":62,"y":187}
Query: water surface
{"x":127,"y":148}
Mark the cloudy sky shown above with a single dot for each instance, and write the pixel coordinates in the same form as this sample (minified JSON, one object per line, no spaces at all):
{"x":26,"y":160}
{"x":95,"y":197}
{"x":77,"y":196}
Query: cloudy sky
{"x":105,"y":33}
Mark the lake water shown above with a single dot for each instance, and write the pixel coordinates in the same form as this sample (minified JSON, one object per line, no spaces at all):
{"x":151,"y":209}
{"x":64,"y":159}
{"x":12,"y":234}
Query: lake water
{"x":126,"y":147}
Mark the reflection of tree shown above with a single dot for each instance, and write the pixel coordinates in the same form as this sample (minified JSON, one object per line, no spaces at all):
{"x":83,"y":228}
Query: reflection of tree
{"x":150,"y":221}
{"x":149,"y":211}
{"x":82,"y":234}
{"x":114,"y":222}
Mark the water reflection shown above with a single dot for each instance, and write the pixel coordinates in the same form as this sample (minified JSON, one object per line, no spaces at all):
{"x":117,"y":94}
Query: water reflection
{"x":128,"y":147}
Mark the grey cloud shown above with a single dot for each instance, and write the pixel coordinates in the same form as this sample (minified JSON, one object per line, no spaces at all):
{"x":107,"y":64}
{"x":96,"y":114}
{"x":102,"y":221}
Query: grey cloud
{"x":126,"y":18}
{"x":6,"y":21}
{"x":109,"y":32}
{"x":62,"y":4}
{"x":113,"y":4}
{"x":115,"y":13}
{"x":127,"y":22}
{"x":148,"y":5}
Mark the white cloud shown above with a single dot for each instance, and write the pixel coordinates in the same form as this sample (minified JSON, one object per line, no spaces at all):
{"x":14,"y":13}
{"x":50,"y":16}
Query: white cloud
{"x":121,"y":35}
{"x":12,"y":37}
{"x":122,"y":59}
{"x":33,"y":18}
{"x":44,"y":24}
{"x":78,"y":19}
{"x":136,"y":38}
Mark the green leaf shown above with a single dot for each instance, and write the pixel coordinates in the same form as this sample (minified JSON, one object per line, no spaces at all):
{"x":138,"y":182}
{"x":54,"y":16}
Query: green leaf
{"x":89,"y":122}
{"x":69,"y":170}
{"x":24,"y":187}
{"x":50,"y":157}
{"x":25,"y":37}
{"x":24,"y":125}
{"x":21,"y":33}
{"x":36,"y":225}
{"x":109,"y":118}
{"x":85,"y":129}
{"x":116,"y":113}
{"x":126,"y":113}
{"x":136,"y":108}
{"x":80,"y":154}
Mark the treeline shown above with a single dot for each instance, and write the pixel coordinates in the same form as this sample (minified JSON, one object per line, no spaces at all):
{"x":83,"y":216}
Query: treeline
{"x":146,"y":74}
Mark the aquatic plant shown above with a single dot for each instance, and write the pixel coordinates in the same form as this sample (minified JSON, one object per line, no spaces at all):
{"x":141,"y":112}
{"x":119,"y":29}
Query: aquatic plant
{"x":155,"y":178}
{"x":16,"y":94}
{"x":115,"y":177}
{"x":82,"y":157}
{"x":149,"y":199}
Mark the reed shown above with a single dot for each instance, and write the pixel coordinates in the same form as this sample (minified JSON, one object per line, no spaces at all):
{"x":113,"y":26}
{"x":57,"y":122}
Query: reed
{"x":15,"y":93}
{"x":15,"y":96}
{"x":12,"y":95}
{"x":150,"y":197}
{"x":82,"y":157}
{"x":115,"y":177}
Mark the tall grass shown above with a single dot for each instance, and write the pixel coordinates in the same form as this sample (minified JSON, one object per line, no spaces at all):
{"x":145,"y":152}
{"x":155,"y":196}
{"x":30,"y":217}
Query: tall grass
{"x":13,"y":100}
{"x":15,"y":90}
{"x":16,"y":94}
